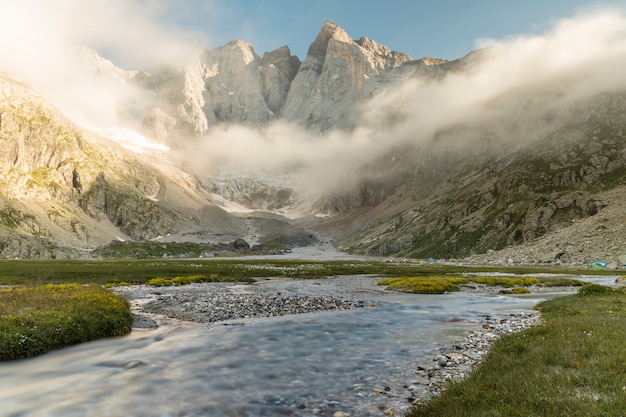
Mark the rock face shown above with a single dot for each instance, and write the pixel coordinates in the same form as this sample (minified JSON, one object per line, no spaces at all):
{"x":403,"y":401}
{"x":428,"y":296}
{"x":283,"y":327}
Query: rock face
{"x":230,"y":84}
{"x":251,"y":193}
{"x":64,"y":190}
{"x":338,"y":74}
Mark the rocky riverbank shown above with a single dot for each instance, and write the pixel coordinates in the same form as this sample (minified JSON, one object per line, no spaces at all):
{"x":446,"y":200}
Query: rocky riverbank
{"x":230,"y":303}
{"x":454,"y":362}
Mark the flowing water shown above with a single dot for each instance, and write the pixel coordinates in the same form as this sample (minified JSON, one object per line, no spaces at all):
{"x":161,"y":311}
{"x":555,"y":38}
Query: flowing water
{"x":303,"y":365}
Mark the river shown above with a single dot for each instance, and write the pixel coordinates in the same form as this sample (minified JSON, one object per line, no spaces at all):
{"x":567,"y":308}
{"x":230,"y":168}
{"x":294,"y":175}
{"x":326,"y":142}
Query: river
{"x":317,"y":364}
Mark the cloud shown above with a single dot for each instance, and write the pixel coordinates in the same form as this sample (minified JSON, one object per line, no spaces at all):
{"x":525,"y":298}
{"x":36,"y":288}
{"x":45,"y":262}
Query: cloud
{"x":579,"y":56}
{"x":508,"y":89}
{"x":39,"y":41}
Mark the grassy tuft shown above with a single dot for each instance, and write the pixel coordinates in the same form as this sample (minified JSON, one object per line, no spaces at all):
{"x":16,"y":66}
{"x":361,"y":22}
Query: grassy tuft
{"x":574,"y":364}
{"x":441,"y":285}
{"x":37,"y":319}
{"x":183,"y":280}
{"x":561,"y":282}
{"x":506,"y":281}
{"x":423,"y":285}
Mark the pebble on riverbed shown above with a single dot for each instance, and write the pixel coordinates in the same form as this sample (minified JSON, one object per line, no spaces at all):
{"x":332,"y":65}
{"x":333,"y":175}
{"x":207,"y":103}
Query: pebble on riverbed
{"x":455,"y":362}
{"x":222,"y":306}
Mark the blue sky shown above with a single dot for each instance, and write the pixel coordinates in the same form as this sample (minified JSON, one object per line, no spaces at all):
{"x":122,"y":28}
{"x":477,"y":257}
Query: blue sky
{"x":443,"y":28}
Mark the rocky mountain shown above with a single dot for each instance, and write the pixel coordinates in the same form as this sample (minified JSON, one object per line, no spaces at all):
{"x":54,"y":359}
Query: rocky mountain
{"x":533,"y":173}
{"x":232,"y":84}
{"x":65,"y":191}
{"x":458,"y":201}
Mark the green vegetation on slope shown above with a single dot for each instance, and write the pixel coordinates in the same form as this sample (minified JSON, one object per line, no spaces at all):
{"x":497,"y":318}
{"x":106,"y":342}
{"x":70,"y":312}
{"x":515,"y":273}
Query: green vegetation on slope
{"x":36,"y":319}
{"x":573,"y":364}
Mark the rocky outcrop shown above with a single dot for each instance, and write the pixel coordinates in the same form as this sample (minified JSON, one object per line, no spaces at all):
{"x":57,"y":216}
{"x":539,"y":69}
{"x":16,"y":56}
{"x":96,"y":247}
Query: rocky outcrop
{"x":251,"y":193}
{"x":98,"y":66}
{"x":230,"y":84}
{"x":333,"y":79}
{"x":278,"y":69}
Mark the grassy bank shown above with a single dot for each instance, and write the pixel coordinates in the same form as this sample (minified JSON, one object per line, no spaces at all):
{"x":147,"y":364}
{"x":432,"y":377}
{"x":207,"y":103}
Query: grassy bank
{"x":36,"y":319}
{"x":140,"y":271}
{"x":573,"y":365}
{"x":40,"y":317}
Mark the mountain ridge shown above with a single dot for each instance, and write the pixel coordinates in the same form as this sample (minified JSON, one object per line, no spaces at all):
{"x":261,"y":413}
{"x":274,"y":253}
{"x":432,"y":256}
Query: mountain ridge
{"x":514,"y":168}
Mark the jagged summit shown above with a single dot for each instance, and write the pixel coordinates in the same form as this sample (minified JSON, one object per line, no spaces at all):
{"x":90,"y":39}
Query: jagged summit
{"x":246,"y":49}
{"x":100,"y":66}
{"x":329,"y":31}
{"x":232,"y":84}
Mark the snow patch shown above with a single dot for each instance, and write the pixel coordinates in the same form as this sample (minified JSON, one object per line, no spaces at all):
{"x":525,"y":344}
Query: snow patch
{"x":230,"y":206}
{"x":132,"y":140}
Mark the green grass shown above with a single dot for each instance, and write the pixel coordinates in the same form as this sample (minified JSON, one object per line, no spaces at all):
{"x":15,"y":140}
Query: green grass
{"x":574,"y":365}
{"x":443,"y":284}
{"x":505,"y":281}
{"x":423,"y":285}
{"x":37,"y":319}
{"x":137,"y":271}
{"x":184,"y":280}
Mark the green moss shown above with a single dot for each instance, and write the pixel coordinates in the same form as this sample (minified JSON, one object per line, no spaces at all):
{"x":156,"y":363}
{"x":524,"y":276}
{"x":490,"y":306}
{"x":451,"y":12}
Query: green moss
{"x":442,"y":284}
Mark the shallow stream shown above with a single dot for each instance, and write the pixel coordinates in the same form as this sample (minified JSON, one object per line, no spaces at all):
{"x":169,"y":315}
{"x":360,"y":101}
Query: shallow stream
{"x":355,"y":361}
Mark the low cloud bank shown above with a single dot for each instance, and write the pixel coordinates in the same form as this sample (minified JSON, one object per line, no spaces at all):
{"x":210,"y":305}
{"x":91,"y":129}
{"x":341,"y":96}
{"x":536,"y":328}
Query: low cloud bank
{"x":513,"y":81}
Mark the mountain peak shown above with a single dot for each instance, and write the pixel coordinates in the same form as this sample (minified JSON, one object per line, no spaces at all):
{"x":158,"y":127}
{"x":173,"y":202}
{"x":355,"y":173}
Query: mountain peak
{"x":241,"y":44}
{"x":329,"y":31}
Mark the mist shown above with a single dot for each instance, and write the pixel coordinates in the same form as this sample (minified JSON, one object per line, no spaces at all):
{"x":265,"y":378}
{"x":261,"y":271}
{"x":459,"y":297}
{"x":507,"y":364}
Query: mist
{"x":40,"y":43}
{"x":578,"y":57}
